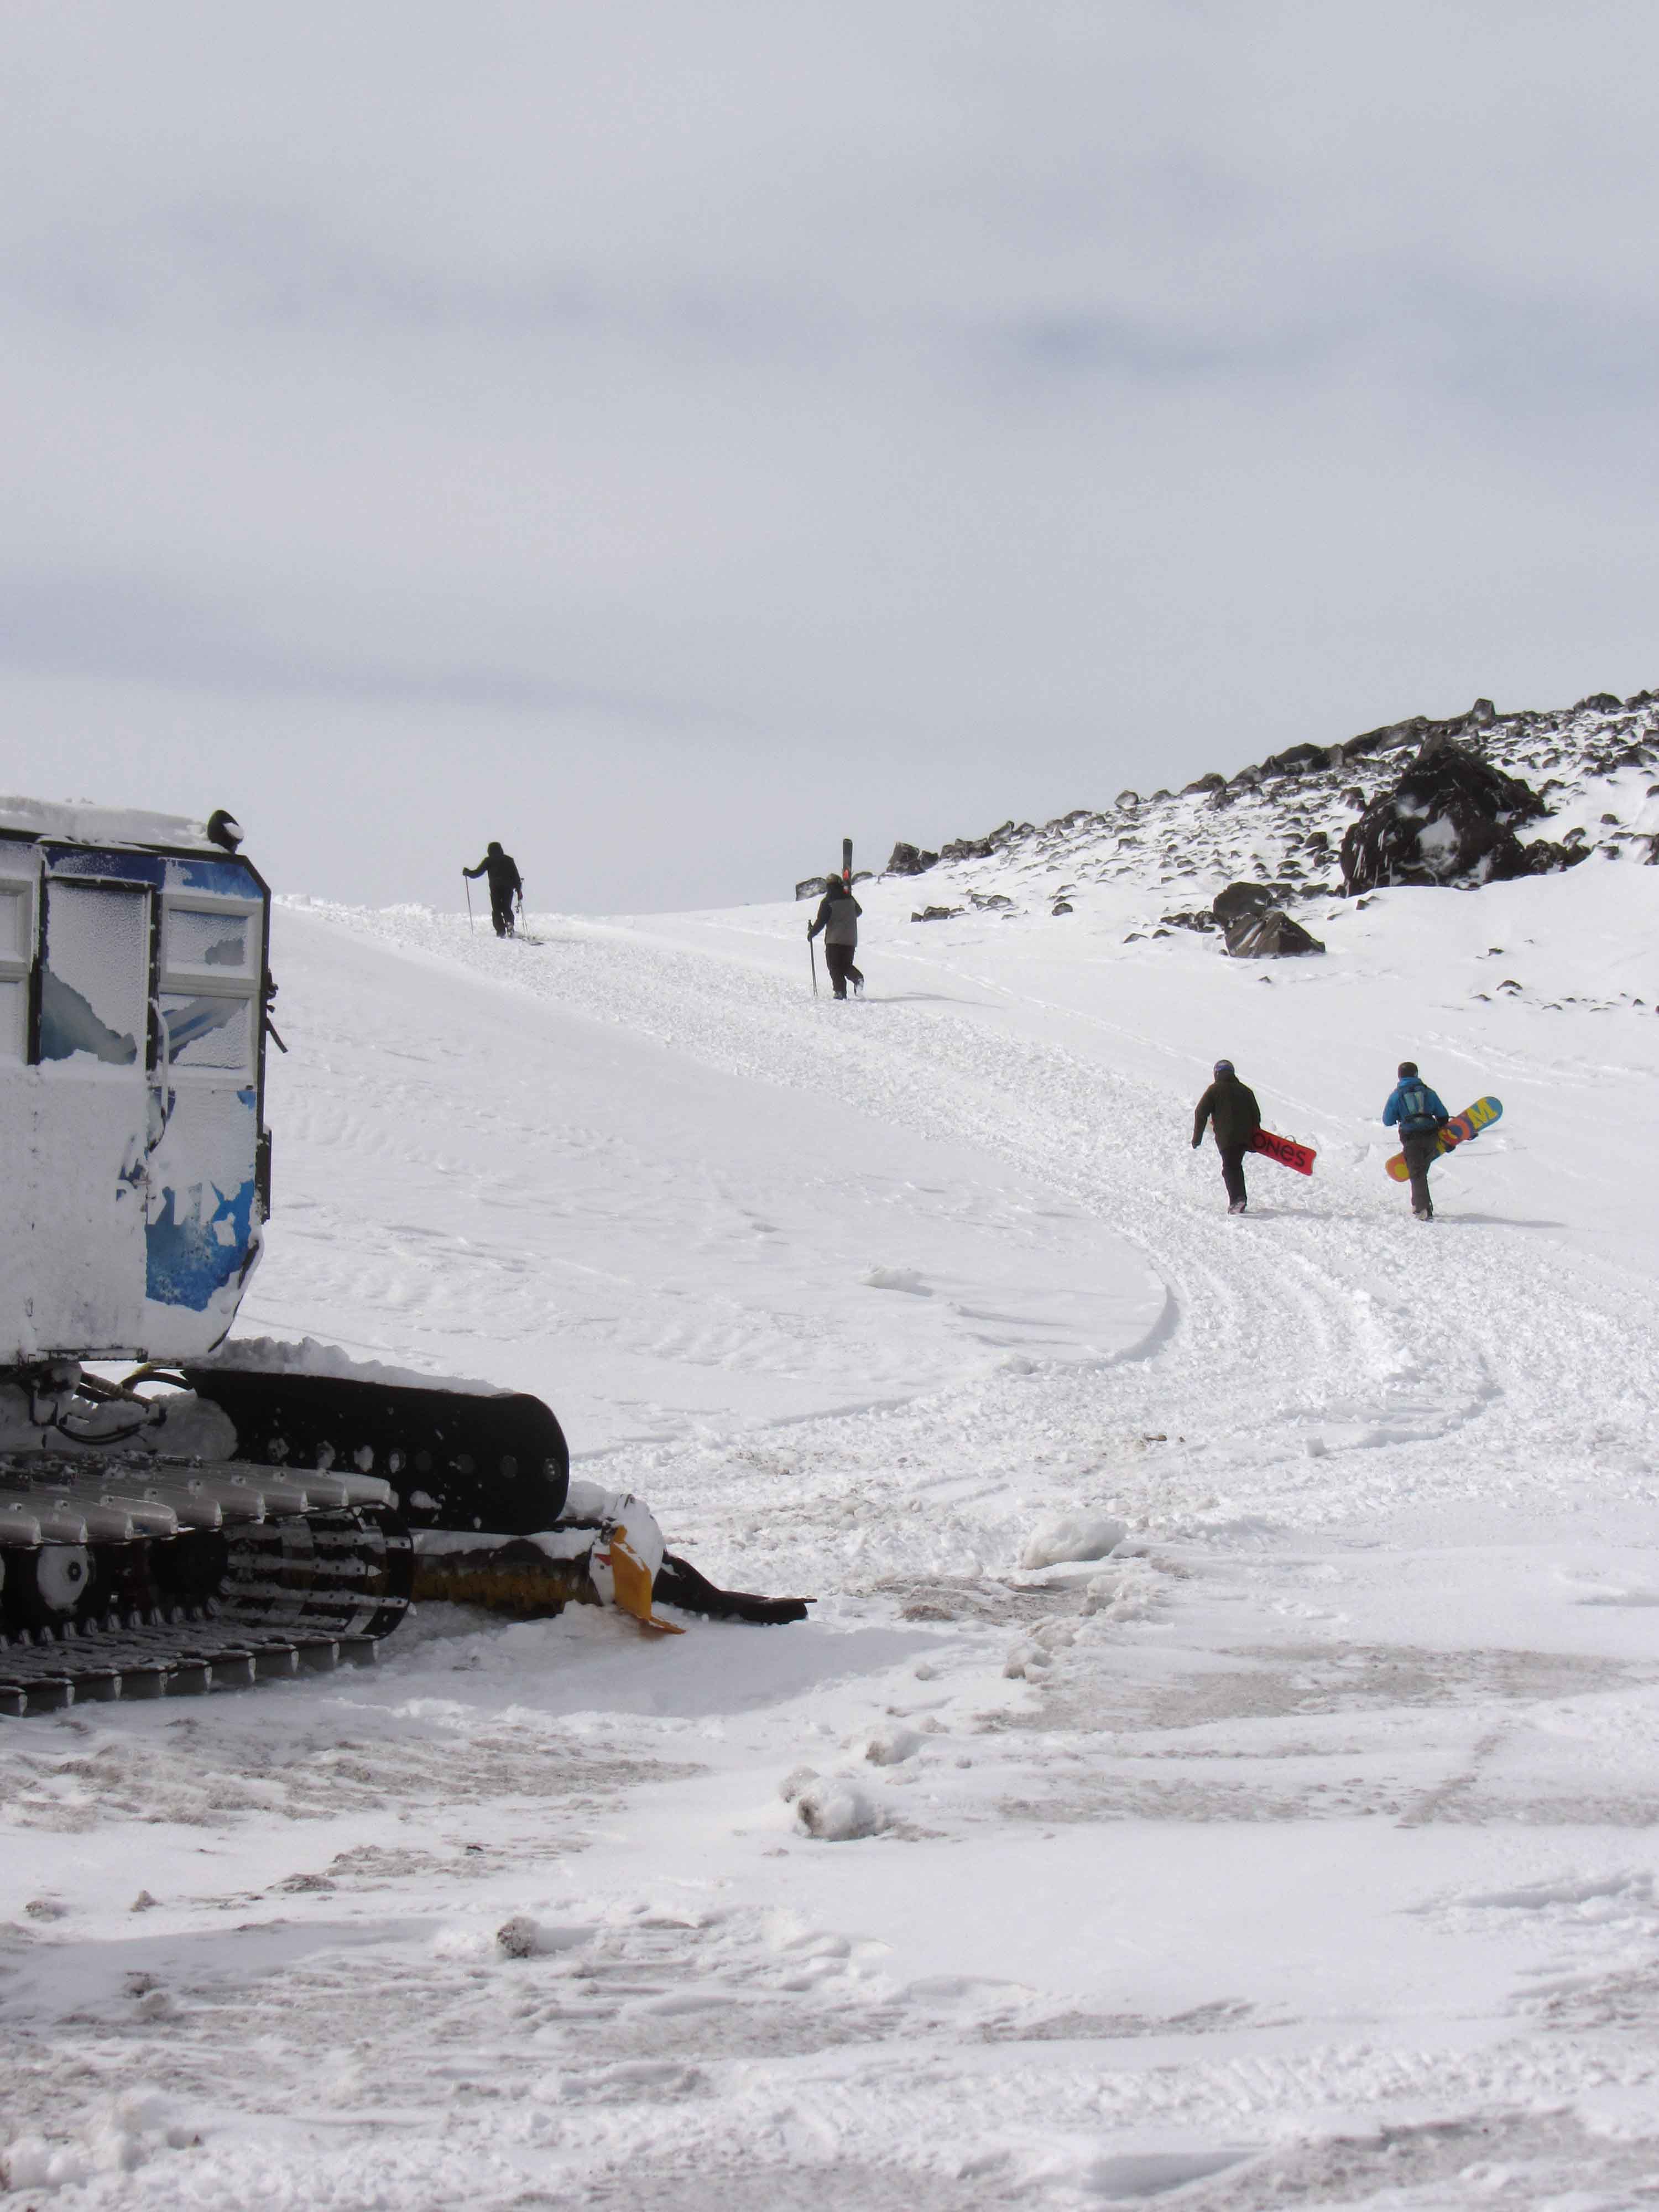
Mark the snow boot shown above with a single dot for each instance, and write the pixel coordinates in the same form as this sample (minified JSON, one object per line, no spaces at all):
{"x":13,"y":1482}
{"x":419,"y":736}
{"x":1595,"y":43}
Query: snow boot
{"x":1238,"y":1206}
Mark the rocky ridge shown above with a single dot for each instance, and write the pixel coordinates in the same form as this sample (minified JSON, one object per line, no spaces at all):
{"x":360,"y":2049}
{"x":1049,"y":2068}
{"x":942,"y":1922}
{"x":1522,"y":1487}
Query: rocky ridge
{"x":1283,"y":820}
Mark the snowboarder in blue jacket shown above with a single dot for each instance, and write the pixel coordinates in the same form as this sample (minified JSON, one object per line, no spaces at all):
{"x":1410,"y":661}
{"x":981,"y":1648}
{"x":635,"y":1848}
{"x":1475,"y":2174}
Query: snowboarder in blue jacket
{"x":1416,"y":1111}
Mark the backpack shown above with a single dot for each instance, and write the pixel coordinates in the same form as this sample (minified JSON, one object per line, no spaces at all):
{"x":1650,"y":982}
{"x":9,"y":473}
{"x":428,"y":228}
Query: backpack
{"x":1417,"y":1117}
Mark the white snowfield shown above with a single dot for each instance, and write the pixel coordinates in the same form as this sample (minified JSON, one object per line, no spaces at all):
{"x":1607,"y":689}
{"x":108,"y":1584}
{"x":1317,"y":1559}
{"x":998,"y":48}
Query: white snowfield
{"x":1290,"y":1838}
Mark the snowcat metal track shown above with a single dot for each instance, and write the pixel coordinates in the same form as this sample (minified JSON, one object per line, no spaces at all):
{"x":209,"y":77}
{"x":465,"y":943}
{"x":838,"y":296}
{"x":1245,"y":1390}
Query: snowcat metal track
{"x":456,"y":1459}
{"x":160,"y":1659}
{"x":143,"y":1577}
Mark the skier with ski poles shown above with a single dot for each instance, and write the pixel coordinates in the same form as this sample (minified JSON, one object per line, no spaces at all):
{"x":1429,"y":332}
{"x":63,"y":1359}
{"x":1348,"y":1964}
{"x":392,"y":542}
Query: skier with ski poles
{"x":838,"y":918}
{"x":1416,"y":1111}
{"x":1228,"y":1106}
{"x":505,"y":883}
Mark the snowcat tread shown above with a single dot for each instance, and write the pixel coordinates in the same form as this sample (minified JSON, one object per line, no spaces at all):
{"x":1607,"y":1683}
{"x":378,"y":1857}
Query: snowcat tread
{"x":104,"y":1666}
{"x":456,"y":1459}
{"x":261,"y":1601}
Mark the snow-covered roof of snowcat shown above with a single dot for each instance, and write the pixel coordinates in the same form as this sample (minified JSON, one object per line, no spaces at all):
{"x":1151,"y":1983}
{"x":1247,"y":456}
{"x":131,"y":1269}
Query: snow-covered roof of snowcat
{"x":77,"y":822}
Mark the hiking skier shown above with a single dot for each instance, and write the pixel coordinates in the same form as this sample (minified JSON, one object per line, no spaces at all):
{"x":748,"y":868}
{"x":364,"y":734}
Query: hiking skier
{"x":505,"y":884}
{"x":838,"y":918}
{"x":1228,"y":1106}
{"x":1416,"y":1111}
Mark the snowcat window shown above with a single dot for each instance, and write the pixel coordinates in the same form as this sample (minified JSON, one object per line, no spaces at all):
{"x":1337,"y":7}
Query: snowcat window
{"x":16,"y":926}
{"x":94,"y":983}
{"x":212,"y":962}
{"x":208,"y":1031}
{"x":210,"y":944}
{"x":16,"y":958}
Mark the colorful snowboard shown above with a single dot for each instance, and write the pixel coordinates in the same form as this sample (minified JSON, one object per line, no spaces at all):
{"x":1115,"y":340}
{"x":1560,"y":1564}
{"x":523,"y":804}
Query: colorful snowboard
{"x":1286,"y":1150}
{"x":1458,"y":1131}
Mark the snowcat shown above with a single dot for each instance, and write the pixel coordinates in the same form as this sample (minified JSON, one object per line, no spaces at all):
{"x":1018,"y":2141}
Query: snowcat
{"x":215,"y":1517}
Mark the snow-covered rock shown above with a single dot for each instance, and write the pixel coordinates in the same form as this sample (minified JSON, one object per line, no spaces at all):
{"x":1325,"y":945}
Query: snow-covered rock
{"x":1453,"y":817}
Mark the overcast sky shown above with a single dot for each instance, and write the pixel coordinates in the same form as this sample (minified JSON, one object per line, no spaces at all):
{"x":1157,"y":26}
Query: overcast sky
{"x":670,"y":436}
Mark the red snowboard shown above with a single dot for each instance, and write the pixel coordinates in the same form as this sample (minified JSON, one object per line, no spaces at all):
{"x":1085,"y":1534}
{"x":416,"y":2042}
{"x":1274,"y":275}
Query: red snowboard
{"x":1286,"y":1150}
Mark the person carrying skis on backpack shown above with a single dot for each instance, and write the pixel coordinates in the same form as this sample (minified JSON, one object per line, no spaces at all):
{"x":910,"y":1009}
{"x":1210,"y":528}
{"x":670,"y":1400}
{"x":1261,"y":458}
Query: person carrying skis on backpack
{"x":505,"y":884}
{"x":1417,"y":1112}
{"x":838,"y":918}
{"x":1228,"y":1106}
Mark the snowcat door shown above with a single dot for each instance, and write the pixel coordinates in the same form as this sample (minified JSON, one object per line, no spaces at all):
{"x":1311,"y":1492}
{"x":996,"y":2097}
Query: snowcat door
{"x":93,"y":1105}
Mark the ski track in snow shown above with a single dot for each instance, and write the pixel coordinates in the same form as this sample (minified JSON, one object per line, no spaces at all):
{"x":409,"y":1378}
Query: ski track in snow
{"x":1301,"y":1851}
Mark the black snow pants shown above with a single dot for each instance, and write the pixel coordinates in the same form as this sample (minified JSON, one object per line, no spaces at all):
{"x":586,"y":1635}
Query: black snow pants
{"x":501,"y":912}
{"x":838,"y":959}
{"x":1420,"y":1154}
{"x":1232,"y":1172}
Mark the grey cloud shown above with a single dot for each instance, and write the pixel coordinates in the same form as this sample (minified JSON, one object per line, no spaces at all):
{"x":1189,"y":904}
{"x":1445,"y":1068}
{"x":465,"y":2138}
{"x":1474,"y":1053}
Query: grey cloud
{"x":138,"y":629}
{"x":1010,"y":403}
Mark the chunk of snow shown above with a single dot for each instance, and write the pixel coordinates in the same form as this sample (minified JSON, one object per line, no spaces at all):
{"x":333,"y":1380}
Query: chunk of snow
{"x":523,"y":1937}
{"x":888,"y":1743}
{"x":588,"y":1501}
{"x":838,"y":1811}
{"x":1072,"y":1536}
{"x":516,"y":1938}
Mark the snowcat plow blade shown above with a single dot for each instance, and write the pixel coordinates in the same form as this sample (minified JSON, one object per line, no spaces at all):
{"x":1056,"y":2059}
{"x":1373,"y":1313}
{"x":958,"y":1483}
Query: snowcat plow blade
{"x":632,"y":1579}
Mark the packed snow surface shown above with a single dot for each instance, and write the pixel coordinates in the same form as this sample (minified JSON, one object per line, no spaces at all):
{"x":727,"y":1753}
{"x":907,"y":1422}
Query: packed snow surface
{"x":1299,"y":1845}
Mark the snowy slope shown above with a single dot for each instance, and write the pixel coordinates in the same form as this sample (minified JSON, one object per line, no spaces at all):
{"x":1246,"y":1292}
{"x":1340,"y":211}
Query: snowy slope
{"x":1302,"y":1849}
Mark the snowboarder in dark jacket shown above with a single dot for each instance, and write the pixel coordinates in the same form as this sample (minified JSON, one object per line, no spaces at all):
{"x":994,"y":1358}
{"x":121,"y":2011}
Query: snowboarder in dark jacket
{"x":505,"y":884}
{"x":1416,"y":1111}
{"x":1230,"y":1109}
{"x":838,"y":918}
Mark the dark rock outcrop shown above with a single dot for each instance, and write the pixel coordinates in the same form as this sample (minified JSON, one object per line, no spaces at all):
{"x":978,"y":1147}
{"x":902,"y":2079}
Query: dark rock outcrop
{"x":1271,"y":936}
{"x":938,"y":913}
{"x":1297,"y":760}
{"x":910,"y":860}
{"x":1243,"y":902}
{"x":1450,"y":818}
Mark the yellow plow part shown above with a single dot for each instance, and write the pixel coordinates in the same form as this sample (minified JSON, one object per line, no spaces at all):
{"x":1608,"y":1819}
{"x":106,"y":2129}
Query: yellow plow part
{"x":631,"y":1579}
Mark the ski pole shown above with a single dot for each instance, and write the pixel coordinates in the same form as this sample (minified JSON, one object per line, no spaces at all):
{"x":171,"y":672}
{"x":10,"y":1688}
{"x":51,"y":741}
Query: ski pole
{"x":812,"y":955}
{"x":472,"y":926}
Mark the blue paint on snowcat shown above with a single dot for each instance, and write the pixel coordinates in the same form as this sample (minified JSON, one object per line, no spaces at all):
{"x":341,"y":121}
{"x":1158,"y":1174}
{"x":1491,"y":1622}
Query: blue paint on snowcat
{"x":186,"y":1262}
